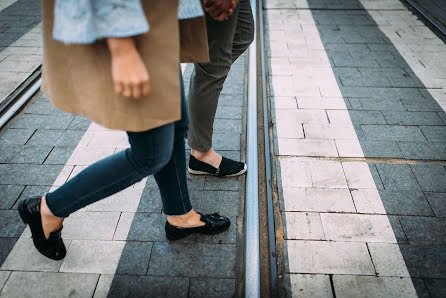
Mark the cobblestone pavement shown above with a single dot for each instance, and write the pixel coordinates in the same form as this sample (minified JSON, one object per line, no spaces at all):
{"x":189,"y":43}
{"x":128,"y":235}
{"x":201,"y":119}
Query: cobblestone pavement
{"x":117,"y":246}
{"x":358,"y":94}
{"x":20,"y":43}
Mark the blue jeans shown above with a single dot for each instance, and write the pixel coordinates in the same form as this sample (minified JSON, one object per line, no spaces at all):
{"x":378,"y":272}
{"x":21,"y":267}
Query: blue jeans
{"x":159,"y":151}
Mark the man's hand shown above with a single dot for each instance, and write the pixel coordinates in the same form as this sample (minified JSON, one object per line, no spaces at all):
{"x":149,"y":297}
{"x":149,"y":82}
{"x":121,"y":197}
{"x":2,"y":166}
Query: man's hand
{"x":130,"y":75}
{"x":220,"y":10}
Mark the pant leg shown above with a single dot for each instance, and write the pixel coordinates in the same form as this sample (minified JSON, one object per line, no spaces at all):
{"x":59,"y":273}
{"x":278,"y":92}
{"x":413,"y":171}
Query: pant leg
{"x":172,"y":180}
{"x":207,"y":78}
{"x":150,"y":152}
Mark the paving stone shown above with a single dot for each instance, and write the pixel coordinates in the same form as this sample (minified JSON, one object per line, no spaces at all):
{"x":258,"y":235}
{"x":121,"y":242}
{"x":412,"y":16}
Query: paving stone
{"x":362,"y":175}
{"x":356,"y":117}
{"x":231,"y":100}
{"x":10,"y":224}
{"x":141,"y":286}
{"x":373,"y":104}
{"x":388,"y":260}
{"x":59,"y":155}
{"x":223,"y":126}
{"x":88,"y":256}
{"x":365,"y":148}
{"x":325,"y":174}
{"x":16,"y":136}
{"x":437,"y":201}
{"x":434,"y":133}
{"x":391,"y":202}
{"x":316,"y":200}
{"x":212,"y":287}
{"x":331,"y":131}
{"x":194,"y":260}
{"x":397,"y":177}
{"x":305,"y":147}
{"x":42,"y":107}
{"x":20,"y":174}
{"x":288,"y":129}
{"x":285,"y":103}
{"x":226,"y":142}
{"x":308,"y":285}
{"x":79,"y":123}
{"x":323,"y":103}
{"x":292,"y":173}
{"x":126,"y":200}
{"x":4,"y":275}
{"x":371,"y":286}
{"x":45,"y":137}
{"x":327,"y":257}
{"x":301,"y":116}
{"x":141,"y":227}
{"x":91,"y":225}
{"x":150,"y":201}
{"x":423,"y":150}
{"x":227,"y":112}
{"x":436,"y":287}
{"x":412,"y":118}
{"x":58,"y":121}
{"x":9,"y":195}
{"x":6,"y":246}
{"x":25,"y":257}
{"x":135,"y":258}
{"x":109,"y":139}
{"x":23,"y":153}
{"x":426,"y":260}
{"x":421,"y":105}
{"x":430,"y":177}
{"x":299,"y":225}
{"x":358,"y":227}
{"x":216,"y":183}
{"x":224,"y":202}
{"x":87,"y":156}
{"x":42,"y":284}
{"x":392,"y":133}
{"x":427,"y":229}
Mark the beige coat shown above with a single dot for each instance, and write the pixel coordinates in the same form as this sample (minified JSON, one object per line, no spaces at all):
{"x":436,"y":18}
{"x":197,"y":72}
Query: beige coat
{"x":77,"y":78}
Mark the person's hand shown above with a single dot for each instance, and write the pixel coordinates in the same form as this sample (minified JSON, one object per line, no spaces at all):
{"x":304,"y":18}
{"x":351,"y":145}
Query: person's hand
{"x":220,"y":10}
{"x":130,"y":76}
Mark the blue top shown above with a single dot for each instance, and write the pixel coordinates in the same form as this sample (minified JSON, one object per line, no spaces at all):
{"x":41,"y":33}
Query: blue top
{"x":84,"y":21}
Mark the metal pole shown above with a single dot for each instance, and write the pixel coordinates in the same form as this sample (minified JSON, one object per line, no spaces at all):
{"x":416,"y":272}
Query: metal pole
{"x":252,"y":254}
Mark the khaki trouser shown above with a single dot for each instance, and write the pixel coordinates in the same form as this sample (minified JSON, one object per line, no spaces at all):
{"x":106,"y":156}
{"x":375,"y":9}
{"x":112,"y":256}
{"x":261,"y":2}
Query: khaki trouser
{"x":227,"y":41}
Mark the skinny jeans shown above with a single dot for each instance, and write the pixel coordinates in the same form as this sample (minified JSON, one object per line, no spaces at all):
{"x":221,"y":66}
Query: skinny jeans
{"x":159,"y":151}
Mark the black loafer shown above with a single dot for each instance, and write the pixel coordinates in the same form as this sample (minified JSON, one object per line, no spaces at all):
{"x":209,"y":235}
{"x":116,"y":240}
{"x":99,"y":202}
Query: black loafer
{"x":214,"y":224}
{"x":53,"y":247}
{"x":227,"y":168}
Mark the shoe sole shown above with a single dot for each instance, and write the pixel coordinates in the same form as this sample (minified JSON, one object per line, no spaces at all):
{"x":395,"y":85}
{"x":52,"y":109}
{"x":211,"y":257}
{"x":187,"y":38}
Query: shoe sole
{"x":206,"y":173}
{"x":174,"y":238}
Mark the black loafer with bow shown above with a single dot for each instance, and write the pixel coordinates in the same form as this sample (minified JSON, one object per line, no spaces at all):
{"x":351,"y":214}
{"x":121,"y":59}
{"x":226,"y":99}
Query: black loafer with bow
{"x":214,"y":224}
{"x":53,"y":247}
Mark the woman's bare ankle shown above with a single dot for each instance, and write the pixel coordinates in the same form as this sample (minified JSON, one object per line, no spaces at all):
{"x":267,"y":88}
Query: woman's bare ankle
{"x":188,"y":220}
{"x":50,"y":222}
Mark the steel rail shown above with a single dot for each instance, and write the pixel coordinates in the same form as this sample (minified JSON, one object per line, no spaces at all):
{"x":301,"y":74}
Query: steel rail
{"x":21,"y":97}
{"x":252,"y":246}
{"x":426,"y":16}
{"x":269,"y":193}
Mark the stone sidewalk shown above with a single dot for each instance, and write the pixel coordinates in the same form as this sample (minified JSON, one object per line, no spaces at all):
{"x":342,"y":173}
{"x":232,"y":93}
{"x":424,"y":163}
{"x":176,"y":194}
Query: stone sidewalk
{"x":358,"y":99}
{"x":117,"y":246}
{"x":20,"y":43}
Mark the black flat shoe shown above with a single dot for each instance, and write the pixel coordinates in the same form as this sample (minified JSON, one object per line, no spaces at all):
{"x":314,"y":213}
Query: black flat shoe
{"x":53,"y":247}
{"x":214,"y":224}
{"x":227,"y":168}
